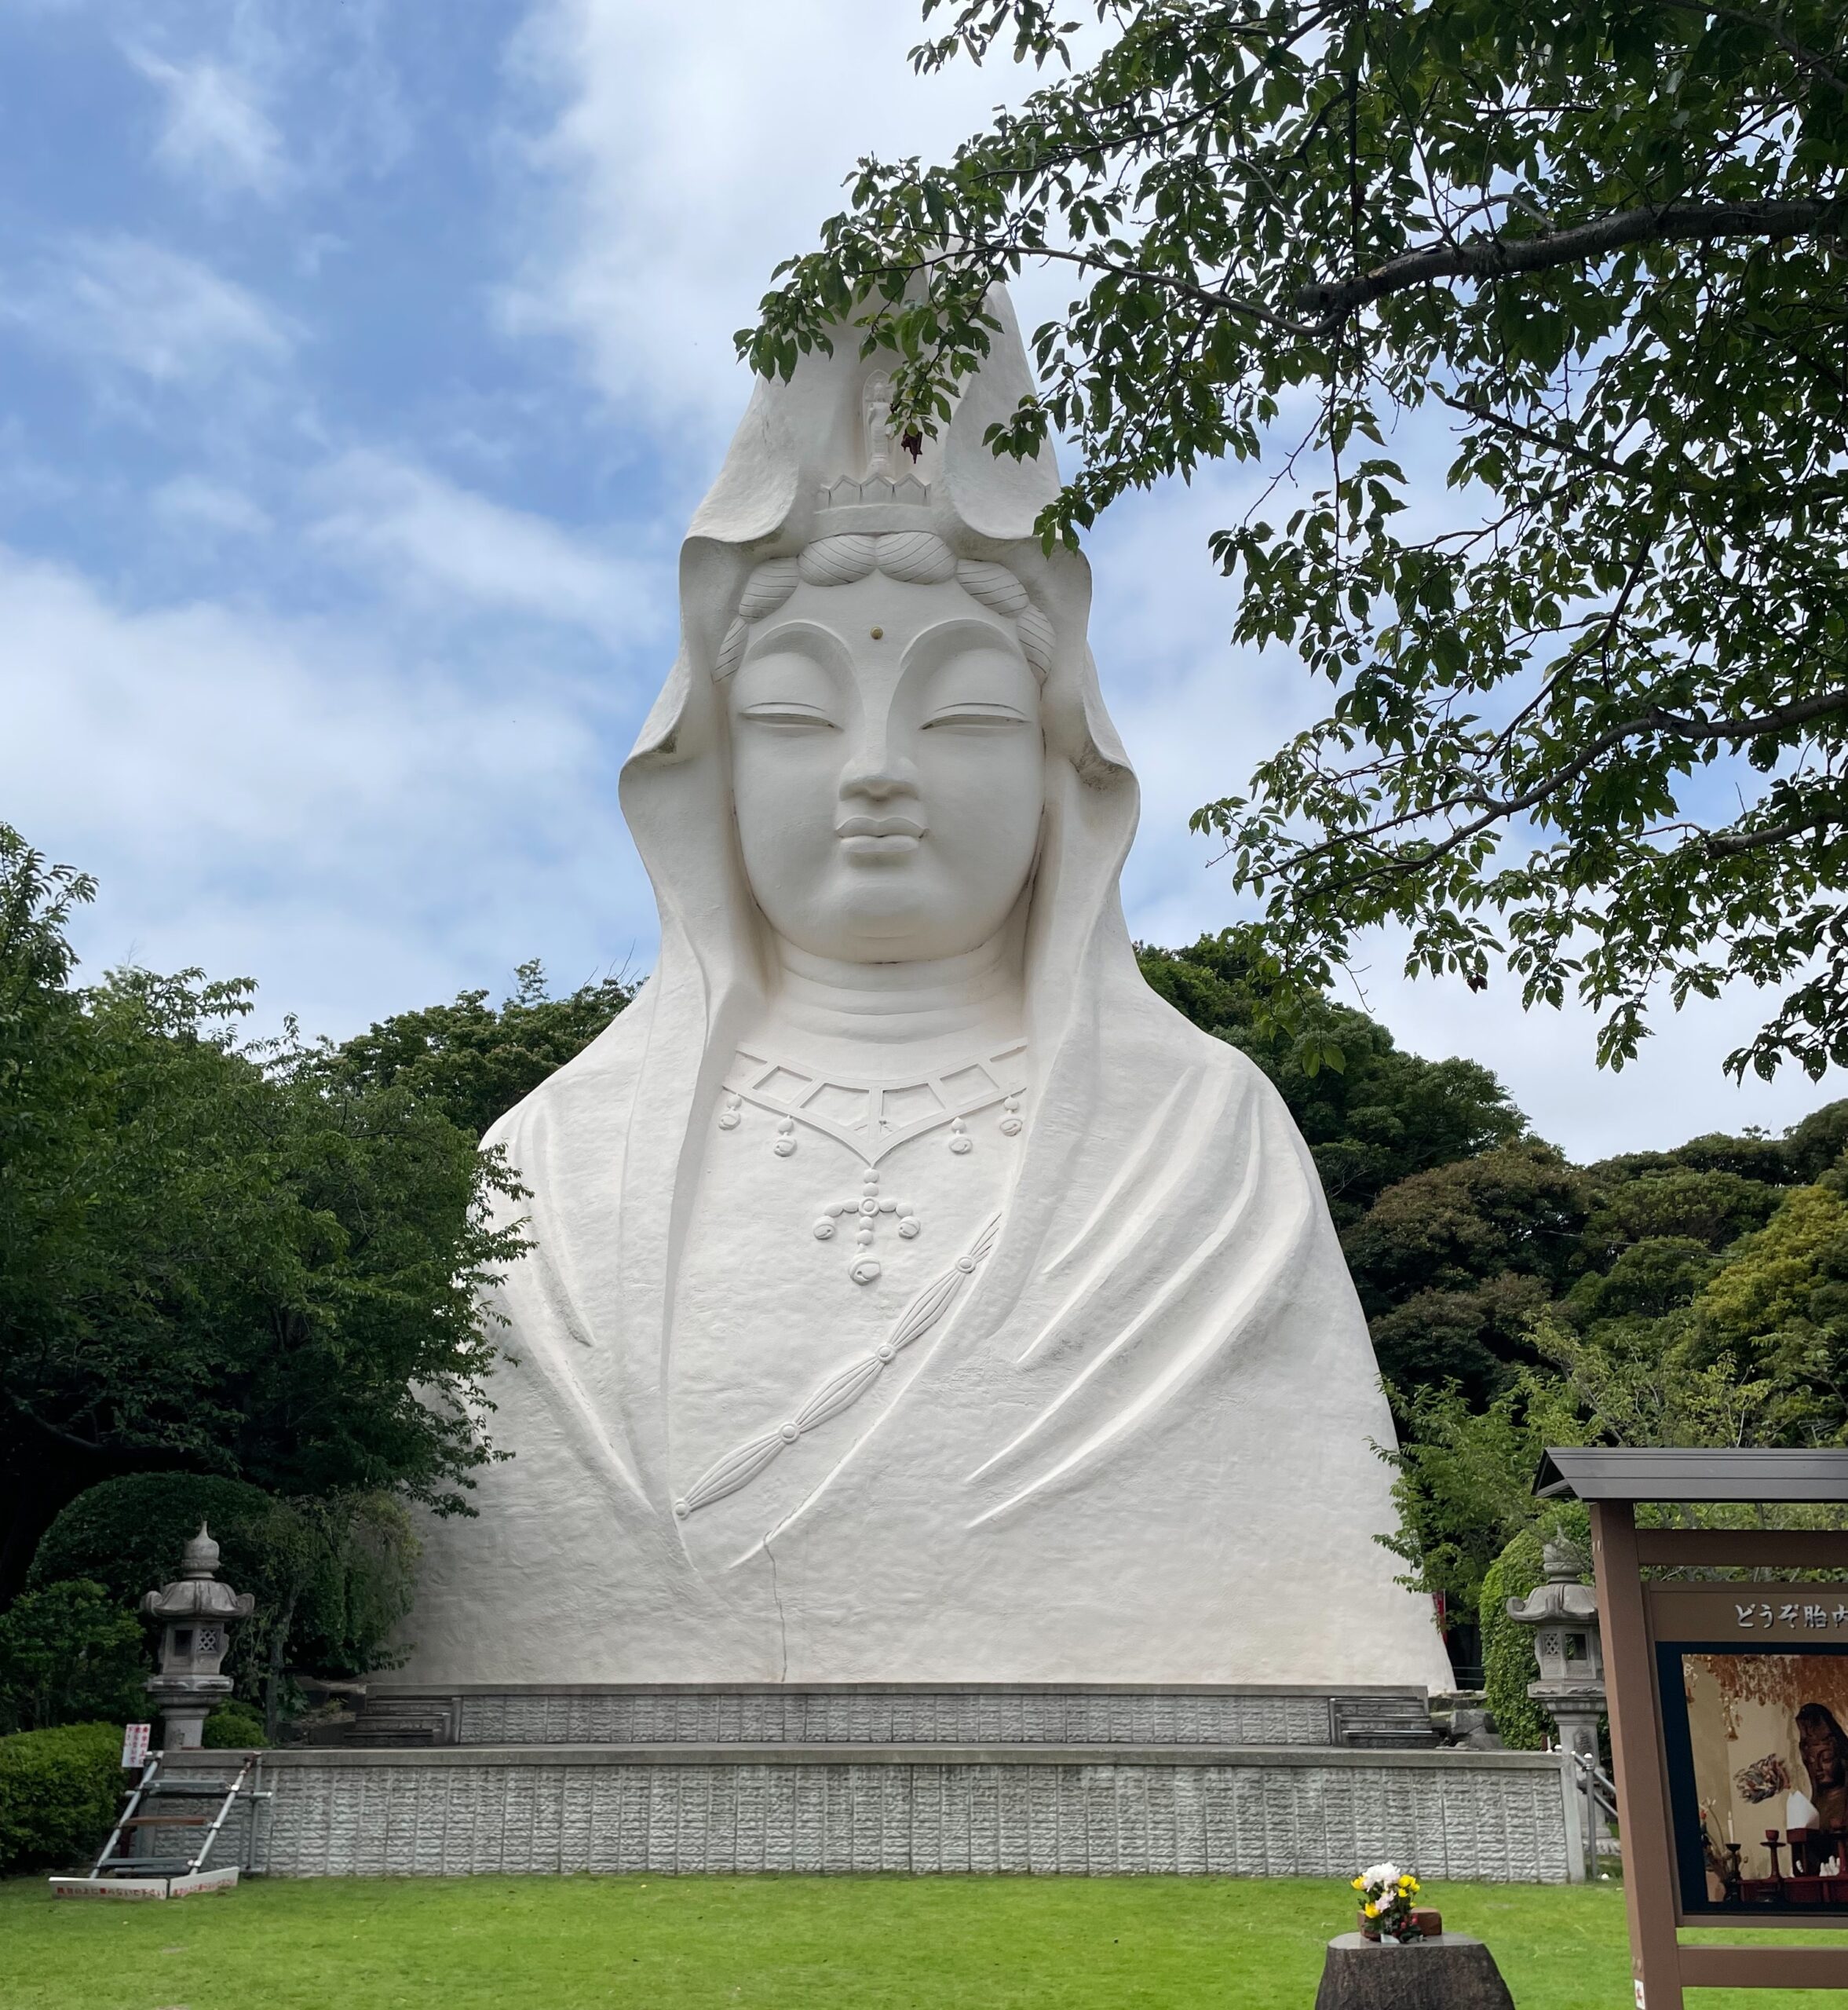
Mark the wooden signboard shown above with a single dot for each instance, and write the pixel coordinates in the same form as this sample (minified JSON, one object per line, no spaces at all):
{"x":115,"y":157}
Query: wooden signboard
{"x":1729,"y":1714}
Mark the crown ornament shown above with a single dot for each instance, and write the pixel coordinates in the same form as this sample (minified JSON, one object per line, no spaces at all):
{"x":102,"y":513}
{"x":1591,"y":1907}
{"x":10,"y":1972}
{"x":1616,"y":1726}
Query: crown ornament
{"x":890,"y":496}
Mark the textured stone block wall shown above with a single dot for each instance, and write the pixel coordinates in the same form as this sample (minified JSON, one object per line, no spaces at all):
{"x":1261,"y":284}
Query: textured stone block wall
{"x":1461,"y":1815}
{"x":971,"y":1716}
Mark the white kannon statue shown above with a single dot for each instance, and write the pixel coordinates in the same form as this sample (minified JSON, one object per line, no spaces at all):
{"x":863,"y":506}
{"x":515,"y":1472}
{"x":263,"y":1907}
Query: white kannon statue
{"x":916,"y":1296}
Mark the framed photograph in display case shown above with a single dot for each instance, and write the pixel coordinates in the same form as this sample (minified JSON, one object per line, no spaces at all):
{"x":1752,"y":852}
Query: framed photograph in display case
{"x":1753,"y":1681}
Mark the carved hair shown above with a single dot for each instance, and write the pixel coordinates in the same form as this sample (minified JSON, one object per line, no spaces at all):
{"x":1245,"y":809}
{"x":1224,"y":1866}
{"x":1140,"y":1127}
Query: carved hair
{"x":920,"y":557}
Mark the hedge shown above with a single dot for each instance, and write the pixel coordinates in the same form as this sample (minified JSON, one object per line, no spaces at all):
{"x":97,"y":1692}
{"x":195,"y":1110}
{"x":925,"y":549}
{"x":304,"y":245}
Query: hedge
{"x":128,"y":1533}
{"x":60,"y":1793}
{"x":234,"y":1727}
{"x":1508,"y":1663}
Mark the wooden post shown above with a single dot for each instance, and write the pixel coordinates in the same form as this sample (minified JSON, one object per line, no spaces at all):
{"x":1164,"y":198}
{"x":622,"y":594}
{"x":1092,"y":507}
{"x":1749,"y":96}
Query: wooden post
{"x":1642,"y":1801}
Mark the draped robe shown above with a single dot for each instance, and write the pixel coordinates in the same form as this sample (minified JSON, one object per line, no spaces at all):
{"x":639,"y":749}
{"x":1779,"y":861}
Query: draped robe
{"x":1142,"y":1439}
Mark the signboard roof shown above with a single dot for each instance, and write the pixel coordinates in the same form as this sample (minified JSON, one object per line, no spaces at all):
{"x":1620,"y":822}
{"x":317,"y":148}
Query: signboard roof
{"x":1678,"y":1473}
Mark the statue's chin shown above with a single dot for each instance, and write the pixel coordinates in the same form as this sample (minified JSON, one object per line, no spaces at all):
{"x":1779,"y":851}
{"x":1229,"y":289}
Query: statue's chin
{"x":884,"y":935}
{"x":913,"y":910}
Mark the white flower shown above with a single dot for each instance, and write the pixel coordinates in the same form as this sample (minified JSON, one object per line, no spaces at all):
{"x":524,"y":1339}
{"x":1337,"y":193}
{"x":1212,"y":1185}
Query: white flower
{"x":1381,"y":1874}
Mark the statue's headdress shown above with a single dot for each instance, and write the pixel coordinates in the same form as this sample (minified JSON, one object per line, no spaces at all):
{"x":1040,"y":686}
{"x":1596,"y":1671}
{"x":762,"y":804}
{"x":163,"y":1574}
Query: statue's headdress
{"x":889,"y":494}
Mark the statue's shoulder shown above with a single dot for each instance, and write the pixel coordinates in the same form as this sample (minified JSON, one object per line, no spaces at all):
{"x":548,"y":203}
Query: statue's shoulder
{"x":1209,"y":1055}
{"x":590,"y":1093}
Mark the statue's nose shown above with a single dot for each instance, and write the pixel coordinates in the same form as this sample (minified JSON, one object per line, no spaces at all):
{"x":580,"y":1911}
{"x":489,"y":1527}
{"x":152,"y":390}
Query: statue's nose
{"x":876,"y":770}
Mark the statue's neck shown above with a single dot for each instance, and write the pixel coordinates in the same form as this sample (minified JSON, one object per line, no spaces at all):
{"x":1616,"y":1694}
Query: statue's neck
{"x":873,"y":1018}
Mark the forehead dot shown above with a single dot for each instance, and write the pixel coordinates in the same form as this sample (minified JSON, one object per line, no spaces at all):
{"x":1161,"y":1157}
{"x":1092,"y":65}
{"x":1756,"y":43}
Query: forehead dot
{"x":879,"y":635}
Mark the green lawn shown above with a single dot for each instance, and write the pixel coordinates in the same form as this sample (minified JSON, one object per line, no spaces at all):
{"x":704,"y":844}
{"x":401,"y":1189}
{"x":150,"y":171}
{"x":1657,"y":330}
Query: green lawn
{"x":775,"y":1944}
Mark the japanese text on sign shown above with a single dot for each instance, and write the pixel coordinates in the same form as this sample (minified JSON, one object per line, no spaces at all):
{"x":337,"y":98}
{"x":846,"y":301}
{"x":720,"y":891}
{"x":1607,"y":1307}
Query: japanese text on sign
{"x":1756,"y":1617}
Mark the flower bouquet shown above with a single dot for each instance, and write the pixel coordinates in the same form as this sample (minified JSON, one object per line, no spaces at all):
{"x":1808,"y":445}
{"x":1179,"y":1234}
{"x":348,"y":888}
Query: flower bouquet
{"x":1387,"y":1896}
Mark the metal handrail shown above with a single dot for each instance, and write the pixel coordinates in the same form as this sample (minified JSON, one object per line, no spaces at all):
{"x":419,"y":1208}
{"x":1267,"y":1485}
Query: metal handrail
{"x":237,"y":1787}
{"x":1595,"y":1783}
{"x":150,"y":1772}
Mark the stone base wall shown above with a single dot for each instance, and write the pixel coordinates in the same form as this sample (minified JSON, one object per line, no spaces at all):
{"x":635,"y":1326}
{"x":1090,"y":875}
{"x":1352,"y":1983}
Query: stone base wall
{"x":1012,"y":1714}
{"x":1257,"y":1812}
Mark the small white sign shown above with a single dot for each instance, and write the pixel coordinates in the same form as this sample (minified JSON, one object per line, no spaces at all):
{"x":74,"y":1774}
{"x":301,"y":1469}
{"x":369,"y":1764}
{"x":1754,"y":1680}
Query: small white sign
{"x":1640,"y":2003}
{"x":134,"y":1744}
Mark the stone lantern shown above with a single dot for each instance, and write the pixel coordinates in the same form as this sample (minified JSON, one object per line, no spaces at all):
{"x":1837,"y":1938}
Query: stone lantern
{"x":1564,"y":1615}
{"x":1570,"y":1650}
{"x":196,"y":1613}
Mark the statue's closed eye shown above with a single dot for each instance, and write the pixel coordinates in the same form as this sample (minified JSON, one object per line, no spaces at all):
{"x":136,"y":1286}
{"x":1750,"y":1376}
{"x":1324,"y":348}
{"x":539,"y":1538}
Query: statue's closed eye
{"x":788,"y":712}
{"x":975,"y":715}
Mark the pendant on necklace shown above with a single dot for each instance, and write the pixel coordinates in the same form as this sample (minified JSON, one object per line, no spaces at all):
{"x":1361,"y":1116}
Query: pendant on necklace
{"x":866,"y":1211}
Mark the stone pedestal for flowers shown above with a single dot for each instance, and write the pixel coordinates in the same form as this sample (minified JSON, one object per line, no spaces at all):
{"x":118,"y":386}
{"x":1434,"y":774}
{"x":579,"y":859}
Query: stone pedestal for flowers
{"x":1453,"y":1972}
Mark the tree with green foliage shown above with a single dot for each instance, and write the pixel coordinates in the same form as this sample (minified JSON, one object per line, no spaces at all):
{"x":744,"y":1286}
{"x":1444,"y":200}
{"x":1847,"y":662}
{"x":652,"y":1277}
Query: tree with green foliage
{"x":69,"y":1655}
{"x":1519,"y":1209}
{"x":473,"y":1061}
{"x":1589,"y":716}
{"x":214,"y":1257}
{"x":1673,"y":1203}
{"x":1715,"y":1338}
{"x":1463,"y":1481}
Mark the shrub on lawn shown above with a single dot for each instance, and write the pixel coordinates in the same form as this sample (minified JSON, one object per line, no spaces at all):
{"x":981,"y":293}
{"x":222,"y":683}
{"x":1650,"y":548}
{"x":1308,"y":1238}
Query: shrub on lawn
{"x":59,"y":1791}
{"x":234,"y":1727}
{"x":69,"y":1655}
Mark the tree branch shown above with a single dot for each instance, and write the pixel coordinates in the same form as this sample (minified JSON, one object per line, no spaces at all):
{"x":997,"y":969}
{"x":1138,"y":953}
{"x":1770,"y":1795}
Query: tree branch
{"x":1723,"y":845}
{"x":1500,"y":257}
{"x":1805,"y":59}
{"x":1494,"y":809}
{"x":1550,"y":442}
{"x":1214,"y":300}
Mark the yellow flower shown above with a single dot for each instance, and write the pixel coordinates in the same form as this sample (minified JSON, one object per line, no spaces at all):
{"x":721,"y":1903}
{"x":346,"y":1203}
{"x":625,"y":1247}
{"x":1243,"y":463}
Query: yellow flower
{"x":1372,"y":1910}
{"x":1360,"y":1884}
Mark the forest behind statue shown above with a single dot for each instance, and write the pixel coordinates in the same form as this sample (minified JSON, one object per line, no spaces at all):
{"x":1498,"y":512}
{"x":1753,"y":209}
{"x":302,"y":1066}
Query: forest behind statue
{"x":196,"y":1232}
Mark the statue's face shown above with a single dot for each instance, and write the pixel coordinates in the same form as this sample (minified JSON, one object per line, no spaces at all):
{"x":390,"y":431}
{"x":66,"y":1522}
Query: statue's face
{"x":886,"y":762}
{"x":1822,"y":1755}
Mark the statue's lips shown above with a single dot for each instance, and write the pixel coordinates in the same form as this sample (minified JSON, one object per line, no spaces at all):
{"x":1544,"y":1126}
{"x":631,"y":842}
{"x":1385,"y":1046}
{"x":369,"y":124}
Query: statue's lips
{"x":878,"y":837}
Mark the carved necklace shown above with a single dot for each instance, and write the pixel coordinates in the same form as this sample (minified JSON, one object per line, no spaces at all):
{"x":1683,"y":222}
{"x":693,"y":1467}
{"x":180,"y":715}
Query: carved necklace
{"x":870,"y":1119}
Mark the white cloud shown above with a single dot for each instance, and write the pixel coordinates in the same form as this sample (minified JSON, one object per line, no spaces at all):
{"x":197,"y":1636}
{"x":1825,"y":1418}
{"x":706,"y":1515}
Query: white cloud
{"x":413,"y":527}
{"x":191,"y":502}
{"x":214,"y":129}
{"x":679,"y":152}
{"x":129,"y":304}
{"x":331,"y":805}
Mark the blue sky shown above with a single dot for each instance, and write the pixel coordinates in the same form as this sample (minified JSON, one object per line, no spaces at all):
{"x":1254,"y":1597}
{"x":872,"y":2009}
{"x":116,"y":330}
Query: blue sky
{"x":360,"y":363}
